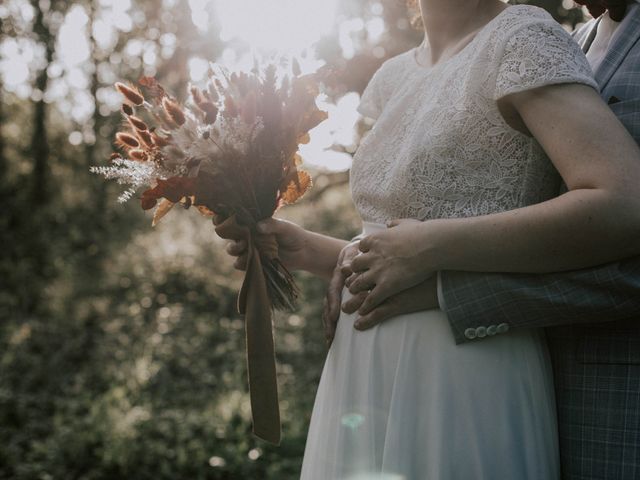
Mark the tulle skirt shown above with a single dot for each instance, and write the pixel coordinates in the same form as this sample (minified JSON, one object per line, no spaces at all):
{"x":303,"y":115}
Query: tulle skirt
{"x":402,"y":402}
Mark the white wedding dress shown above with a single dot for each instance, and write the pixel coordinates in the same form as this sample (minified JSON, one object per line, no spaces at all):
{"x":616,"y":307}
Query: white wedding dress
{"x":401,"y":401}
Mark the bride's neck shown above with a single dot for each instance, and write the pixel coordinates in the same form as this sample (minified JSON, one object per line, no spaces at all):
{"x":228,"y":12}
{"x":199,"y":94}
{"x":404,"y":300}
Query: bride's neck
{"x":448,"y":23}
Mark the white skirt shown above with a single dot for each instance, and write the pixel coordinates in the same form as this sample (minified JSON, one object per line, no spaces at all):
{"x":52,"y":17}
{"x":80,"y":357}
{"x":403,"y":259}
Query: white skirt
{"x":402,"y":402}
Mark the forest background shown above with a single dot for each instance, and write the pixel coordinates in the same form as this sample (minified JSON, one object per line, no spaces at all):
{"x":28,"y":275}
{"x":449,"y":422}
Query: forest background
{"x":121,"y":351}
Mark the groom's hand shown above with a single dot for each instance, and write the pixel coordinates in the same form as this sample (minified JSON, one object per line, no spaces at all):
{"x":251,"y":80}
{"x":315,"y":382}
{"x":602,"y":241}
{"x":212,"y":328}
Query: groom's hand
{"x":423,"y":296}
{"x":333,"y":298}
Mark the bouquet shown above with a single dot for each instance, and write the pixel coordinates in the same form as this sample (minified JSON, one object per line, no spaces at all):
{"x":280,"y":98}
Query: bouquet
{"x":231,"y":151}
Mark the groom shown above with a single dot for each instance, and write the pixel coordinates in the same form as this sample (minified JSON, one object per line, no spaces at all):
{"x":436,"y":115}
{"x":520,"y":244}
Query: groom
{"x":592,"y":316}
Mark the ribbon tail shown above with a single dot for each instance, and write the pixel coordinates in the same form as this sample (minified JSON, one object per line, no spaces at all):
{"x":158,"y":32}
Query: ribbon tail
{"x":254,"y":302}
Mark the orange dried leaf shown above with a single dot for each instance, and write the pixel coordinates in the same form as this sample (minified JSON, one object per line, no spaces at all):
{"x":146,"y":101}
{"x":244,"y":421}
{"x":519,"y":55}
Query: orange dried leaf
{"x":205,"y":211}
{"x":304,"y":139}
{"x":297,"y":188}
{"x":163,"y":208}
{"x":172,"y":189}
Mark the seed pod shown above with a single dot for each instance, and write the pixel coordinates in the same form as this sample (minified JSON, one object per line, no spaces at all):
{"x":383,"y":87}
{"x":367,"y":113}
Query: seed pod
{"x":126,"y":140}
{"x":137,"y":123}
{"x":160,"y":141}
{"x":210,"y":112}
{"x":132,"y":94}
{"x":230,"y":108}
{"x":127,"y":109}
{"x":173,"y":111}
{"x":145,"y":138}
{"x":198,"y":97}
{"x":138,"y":154}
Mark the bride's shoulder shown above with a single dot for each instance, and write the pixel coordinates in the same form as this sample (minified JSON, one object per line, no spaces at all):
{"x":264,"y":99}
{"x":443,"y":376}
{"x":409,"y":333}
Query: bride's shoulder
{"x":526,"y":26}
{"x":517,"y":19}
{"x":394,"y":63}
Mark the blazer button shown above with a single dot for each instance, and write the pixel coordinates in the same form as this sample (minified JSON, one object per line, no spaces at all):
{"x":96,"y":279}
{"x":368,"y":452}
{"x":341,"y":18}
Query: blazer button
{"x":492,"y":330}
{"x":481,"y":332}
{"x":503,"y":328}
{"x":470,"y":333}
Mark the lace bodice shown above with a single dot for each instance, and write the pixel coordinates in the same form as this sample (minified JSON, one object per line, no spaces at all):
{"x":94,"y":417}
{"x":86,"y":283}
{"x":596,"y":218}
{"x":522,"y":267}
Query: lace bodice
{"x":439,"y":147}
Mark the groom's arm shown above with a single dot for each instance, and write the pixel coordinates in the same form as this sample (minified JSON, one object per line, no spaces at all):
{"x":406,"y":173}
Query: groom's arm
{"x":480,"y":305}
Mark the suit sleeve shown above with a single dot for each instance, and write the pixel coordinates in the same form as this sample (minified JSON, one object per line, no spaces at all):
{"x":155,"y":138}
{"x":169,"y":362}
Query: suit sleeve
{"x":484,"y":301}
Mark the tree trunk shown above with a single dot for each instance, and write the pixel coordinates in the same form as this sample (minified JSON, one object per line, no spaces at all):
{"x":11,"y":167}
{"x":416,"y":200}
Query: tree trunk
{"x":39,"y":140}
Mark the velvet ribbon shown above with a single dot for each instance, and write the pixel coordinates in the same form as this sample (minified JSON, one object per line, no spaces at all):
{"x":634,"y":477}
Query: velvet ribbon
{"x":255,"y":305}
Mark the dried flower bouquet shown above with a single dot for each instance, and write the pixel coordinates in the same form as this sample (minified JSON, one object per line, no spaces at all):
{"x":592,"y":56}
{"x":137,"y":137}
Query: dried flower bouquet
{"x":231,"y":151}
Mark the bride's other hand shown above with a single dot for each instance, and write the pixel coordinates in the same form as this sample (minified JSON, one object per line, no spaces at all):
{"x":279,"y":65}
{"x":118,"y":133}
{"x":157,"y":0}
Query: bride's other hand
{"x":418,"y":298}
{"x":298,"y":249}
{"x":291,"y":240}
{"x":392,"y":260}
{"x":333,"y":298}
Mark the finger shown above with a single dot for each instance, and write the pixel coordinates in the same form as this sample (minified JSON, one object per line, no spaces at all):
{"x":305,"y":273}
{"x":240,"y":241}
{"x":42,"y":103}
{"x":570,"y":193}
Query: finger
{"x":331,"y":311}
{"x":331,"y":320}
{"x":376,"y":296}
{"x":364,"y":245}
{"x":351,"y":251}
{"x":377,"y":316}
{"x":354,"y":303}
{"x":267,"y":226}
{"x":237,"y":248}
{"x":229,"y":229}
{"x":346,"y":270}
{"x":240,"y":263}
{"x":362,"y":262}
{"x":325,"y":319}
{"x":349,"y":280}
{"x":362,"y":283}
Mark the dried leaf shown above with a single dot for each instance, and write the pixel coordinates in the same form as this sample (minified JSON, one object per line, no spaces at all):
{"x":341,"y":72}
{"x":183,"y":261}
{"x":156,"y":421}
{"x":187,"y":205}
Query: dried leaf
{"x":162,"y":209}
{"x":172,"y":189}
{"x":205,"y":211}
{"x":304,"y":138}
{"x":297,"y":188}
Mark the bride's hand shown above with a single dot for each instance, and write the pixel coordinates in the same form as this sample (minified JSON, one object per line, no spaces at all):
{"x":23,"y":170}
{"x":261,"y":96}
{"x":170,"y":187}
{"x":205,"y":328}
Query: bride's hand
{"x":333,"y":299}
{"x":393,"y":260}
{"x":291,"y":240}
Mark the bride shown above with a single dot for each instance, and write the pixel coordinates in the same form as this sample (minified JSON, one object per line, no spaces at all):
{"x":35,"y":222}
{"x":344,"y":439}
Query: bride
{"x":474,"y":131}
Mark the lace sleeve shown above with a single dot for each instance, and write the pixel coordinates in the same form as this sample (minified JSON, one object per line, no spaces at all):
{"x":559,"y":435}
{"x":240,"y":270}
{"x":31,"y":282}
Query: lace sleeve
{"x":539,"y":54}
{"x":373,"y":98}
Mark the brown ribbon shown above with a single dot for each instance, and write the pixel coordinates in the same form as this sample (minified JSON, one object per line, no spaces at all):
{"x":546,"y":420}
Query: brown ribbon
{"x":254,"y":304}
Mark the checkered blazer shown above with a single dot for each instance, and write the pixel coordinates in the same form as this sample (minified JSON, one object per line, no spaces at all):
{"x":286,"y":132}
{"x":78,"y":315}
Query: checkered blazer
{"x":592,"y":315}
